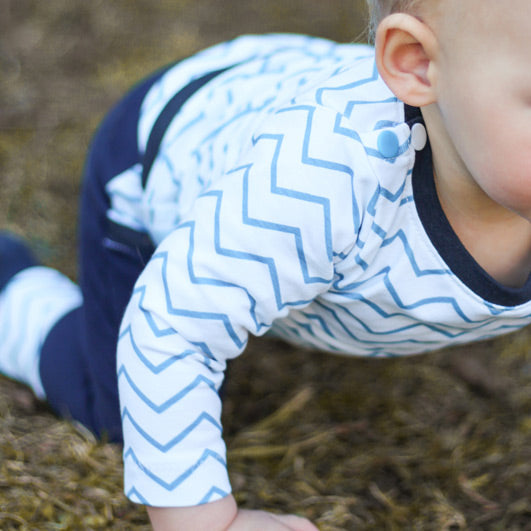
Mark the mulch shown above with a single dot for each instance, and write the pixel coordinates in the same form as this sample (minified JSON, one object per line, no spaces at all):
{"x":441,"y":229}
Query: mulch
{"x":440,"y":442}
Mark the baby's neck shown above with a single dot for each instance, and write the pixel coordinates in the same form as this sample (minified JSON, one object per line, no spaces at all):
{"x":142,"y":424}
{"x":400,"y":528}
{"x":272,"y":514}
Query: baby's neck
{"x":499,"y":240}
{"x":503,"y":251}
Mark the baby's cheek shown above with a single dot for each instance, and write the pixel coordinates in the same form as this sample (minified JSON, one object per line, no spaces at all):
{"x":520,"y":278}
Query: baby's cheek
{"x":511,"y":185}
{"x":504,"y":166}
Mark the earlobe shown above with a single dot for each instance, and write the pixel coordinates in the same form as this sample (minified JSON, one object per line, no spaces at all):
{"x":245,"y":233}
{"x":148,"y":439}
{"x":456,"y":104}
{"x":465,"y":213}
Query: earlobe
{"x":405,"y":53}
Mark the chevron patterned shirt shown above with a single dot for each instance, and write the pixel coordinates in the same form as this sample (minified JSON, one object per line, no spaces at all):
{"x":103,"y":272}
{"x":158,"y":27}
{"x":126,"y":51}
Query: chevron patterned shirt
{"x":292,"y":194}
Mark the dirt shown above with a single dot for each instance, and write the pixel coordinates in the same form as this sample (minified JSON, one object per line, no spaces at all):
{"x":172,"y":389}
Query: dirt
{"x":431,"y":442}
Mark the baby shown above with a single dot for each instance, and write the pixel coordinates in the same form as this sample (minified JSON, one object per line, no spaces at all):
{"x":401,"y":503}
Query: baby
{"x":359,"y":201}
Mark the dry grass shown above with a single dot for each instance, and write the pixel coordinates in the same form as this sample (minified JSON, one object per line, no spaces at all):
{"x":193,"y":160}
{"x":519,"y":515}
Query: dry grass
{"x":352,"y":444}
{"x":435,"y":442}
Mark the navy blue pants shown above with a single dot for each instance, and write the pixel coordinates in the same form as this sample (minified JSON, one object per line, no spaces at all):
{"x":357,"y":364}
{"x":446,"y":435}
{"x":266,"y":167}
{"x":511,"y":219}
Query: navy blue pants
{"x":78,"y":358}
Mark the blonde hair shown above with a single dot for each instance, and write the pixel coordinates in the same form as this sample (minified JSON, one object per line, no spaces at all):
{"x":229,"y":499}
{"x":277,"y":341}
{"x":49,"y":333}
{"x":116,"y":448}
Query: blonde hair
{"x":379,"y":9}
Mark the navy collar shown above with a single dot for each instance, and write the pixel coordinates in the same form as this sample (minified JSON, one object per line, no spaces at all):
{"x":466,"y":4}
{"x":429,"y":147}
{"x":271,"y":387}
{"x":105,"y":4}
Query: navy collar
{"x":445,"y":240}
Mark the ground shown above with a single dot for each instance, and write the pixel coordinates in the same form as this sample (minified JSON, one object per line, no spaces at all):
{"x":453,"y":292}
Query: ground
{"x":434,"y":442}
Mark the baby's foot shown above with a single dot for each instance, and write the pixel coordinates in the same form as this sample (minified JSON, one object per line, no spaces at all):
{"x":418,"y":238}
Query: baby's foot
{"x":14,"y":257}
{"x":33,"y":299}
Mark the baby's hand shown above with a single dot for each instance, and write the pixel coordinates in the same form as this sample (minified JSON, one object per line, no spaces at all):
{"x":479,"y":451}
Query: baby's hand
{"x":223,"y":515}
{"x":262,"y":521}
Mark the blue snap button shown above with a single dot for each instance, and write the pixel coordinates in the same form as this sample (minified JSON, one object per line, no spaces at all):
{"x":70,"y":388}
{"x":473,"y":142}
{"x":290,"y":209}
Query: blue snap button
{"x":388,"y":144}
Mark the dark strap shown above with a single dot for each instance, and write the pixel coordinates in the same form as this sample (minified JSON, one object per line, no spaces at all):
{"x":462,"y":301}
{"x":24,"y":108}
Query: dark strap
{"x":166,"y":116}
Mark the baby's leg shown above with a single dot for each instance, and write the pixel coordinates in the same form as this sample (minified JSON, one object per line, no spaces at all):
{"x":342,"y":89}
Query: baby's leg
{"x":32,"y":300}
{"x":72,"y":362}
{"x":111,"y":259}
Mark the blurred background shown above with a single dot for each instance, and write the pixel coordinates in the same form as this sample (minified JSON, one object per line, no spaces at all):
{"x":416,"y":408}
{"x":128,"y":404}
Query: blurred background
{"x":441,"y":441}
{"x":64,"y":62}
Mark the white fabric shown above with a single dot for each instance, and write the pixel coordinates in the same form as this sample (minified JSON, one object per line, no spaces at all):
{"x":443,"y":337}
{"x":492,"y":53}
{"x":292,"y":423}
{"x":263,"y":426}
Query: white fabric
{"x":30,"y":305}
{"x":276,"y":210}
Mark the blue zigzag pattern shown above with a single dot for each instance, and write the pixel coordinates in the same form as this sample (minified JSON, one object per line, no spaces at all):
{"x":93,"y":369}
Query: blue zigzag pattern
{"x":373,"y":288}
{"x":164,"y":448}
{"x":161,"y":408}
{"x":172,"y":485}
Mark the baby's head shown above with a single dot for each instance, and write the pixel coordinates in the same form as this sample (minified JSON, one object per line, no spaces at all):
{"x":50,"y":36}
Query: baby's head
{"x":379,"y":9}
{"x":466,"y":63}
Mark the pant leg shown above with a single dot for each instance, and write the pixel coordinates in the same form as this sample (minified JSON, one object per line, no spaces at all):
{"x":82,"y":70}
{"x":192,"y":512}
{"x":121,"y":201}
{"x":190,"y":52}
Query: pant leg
{"x":78,"y":359}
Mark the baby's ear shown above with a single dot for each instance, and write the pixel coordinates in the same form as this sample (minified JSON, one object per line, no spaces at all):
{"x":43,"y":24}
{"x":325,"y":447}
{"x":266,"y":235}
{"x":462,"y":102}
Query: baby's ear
{"x":405,"y":52}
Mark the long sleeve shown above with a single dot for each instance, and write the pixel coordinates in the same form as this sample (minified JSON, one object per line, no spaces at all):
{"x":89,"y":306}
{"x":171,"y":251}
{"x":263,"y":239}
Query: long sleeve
{"x":256,"y":245}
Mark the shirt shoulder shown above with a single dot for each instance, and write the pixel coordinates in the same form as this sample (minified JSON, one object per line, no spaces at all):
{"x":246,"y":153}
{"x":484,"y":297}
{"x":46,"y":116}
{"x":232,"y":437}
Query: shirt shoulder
{"x":324,"y":100}
{"x":267,"y":59}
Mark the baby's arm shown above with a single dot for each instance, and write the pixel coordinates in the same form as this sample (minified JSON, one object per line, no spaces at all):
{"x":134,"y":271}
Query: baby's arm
{"x":223,"y":515}
{"x":257,"y":246}
{"x":181,"y":325}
